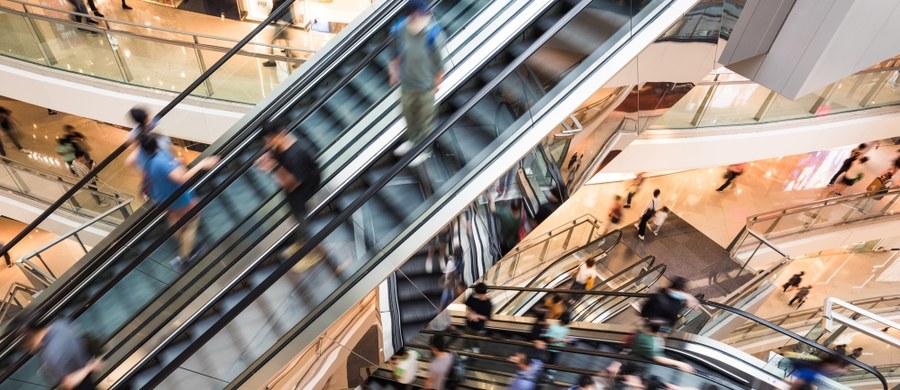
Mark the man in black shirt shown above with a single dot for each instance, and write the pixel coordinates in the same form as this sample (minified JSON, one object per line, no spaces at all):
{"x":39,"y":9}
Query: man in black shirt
{"x":478,"y":310}
{"x":294,"y":169}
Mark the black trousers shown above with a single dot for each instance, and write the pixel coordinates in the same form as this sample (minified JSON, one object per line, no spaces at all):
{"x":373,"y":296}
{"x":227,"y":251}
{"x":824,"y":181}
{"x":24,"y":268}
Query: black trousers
{"x":844,"y":167}
{"x":642,"y":226}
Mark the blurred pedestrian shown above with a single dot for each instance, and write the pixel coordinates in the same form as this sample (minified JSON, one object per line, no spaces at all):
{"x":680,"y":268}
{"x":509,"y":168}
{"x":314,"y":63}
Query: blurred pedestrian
{"x":78,"y":140}
{"x":165,"y":176}
{"x":810,"y":373}
{"x":649,"y":212}
{"x":667,"y":303}
{"x":586,"y":275}
{"x":441,"y":364}
{"x":794,"y":281}
{"x":633,"y":187}
{"x":856,"y":354}
{"x":417,"y":65}
{"x":440,"y":243}
{"x":554,"y":200}
{"x":511,"y":221}
{"x":539,"y":327}
{"x":853,"y":174}
{"x":648,"y":343}
{"x":731,"y":173}
{"x":294,"y":168}
{"x":405,"y":364}
{"x":63,"y":353}
{"x":478,"y":311}
{"x":856,"y":153}
{"x":659,"y":218}
{"x":528,"y":371}
{"x":800,"y":296}
{"x":81,"y":166}
{"x":66,"y":150}
{"x":554,"y":306}
{"x":558,"y":335}
{"x":615,"y":212}
{"x":281,"y":25}
{"x":10,"y":127}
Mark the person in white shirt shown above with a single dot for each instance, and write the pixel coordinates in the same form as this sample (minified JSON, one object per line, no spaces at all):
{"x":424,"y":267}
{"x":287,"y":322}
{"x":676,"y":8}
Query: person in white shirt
{"x":586,"y":271}
{"x":406,"y":364}
{"x":649,"y":212}
{"x":659,"y":219}
{"x":852,"y":175}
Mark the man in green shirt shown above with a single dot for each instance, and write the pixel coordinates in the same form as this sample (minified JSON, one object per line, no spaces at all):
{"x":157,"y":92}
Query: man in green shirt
{"x":510,"y":220}
{"x":649,"y":343}
{"x":417,"y":65}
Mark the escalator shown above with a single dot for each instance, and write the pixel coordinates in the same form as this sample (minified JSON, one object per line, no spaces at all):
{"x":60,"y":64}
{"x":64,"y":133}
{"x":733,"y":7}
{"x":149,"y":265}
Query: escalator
{"x":131,"y":283}
{"x":726,"y":365}
{"x":354,"y":230}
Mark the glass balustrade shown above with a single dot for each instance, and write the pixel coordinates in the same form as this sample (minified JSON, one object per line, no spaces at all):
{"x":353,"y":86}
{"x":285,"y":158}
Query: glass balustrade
{"x":145,"y":56}
{"x":727,"y":99}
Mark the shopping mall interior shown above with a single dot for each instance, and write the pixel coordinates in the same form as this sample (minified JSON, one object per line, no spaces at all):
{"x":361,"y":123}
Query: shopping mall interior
{"x":605,"y":194}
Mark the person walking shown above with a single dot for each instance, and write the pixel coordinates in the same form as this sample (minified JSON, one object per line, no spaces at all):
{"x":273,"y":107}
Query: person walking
{"x":511,"y":221}
{"x":586,"y":275}
{"x":800,"y":296}
{"x":405,"y":364}
{"x":78,"y":140}
{"x":66,"y":149}
{"x":794,"y":281}
{"x":731,"y":173}
{"x":667,"y":303}
{"x":281,"y":25}
{"x":82,"y":166}
{"x":648,"y":343}
{"x":441,"y":364}
{"x":63,"y":353}
{"x":851,"y":176}
{"x":649,"y":212}
{"x":478,"y":311}
{"x":633,"y":187}
{"x":10,"y":128}
{"x":659,"y":219}
{"x":294,"y":168}
{"x":558,"y":335}
{"x":6,"y":256}
{"x":615,"y":213}
{"x":165,"y":176}
{"x":528,"y":371}
{"x":856,"y":153}
{"x":417,"y":65}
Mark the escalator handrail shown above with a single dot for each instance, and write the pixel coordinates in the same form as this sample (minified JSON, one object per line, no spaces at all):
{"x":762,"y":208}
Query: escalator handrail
{"x":729,"y":309}
{"x":234,"y":141}
{"x":348,"y":212}
{"x":89,"y":177}
{"x":568,"y":349}
{"x":647,"y":261}
{"x":565,"y":256}
{"x":660,"y":269}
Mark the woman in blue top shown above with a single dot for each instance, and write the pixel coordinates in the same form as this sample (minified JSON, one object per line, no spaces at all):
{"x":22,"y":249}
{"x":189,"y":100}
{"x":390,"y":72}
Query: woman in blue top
{"x":164,"y":176}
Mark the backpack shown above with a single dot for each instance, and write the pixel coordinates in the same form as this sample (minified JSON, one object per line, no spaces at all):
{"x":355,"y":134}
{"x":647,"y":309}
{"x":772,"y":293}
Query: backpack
{"x":433,"y":33}
{"x":457,"y":373}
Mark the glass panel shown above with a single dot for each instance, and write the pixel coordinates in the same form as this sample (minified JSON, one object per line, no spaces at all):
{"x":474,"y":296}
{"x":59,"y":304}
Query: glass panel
{"x":244,"y":78}
{"x":18,"y":40}
{"x":733,"y":104}
{"x":682,"y":113}
{"x":79,"y":49}
{"x":158,"y":65}
{"x":890,"y":92}
{"x":849,"y":92}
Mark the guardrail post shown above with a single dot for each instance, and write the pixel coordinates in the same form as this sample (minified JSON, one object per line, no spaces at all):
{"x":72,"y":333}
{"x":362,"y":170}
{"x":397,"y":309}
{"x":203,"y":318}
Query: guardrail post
{"x":890,"y":204}
{"x":566,"y":242}
{"x":202,"y":63}
{"x":46,"y":267}
{"x":41,"y":41}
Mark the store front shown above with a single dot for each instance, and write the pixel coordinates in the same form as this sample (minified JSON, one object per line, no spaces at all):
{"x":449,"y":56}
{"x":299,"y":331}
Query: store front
{"x":326,"y":16}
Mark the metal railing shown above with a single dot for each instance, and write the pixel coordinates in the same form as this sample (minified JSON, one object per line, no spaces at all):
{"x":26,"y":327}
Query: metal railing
{"x":809,"y":317}
{"x":28,"y":267}
{"x":130,"y":53}
{"x":711,"y":103}
{"x":46,"y":187}
{"x":19,"y":295}
{"x":549,"y":245}
{"x":825,"y":213}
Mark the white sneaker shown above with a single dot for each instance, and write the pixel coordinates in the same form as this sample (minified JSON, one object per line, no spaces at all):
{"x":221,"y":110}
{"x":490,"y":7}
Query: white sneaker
{"x":655,"y":233}
{"x":476,"y":350}
{"x":403,"y":148}
{"x":641,"y":237}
